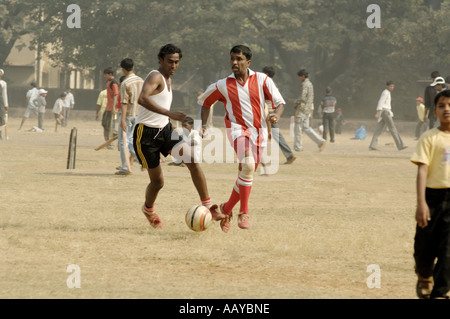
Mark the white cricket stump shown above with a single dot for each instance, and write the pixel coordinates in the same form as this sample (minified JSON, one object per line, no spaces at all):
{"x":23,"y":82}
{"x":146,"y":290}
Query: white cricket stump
{"x":72,"y":149}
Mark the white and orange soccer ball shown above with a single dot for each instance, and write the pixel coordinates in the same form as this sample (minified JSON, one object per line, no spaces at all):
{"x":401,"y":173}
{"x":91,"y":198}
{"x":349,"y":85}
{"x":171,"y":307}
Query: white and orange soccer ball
{"x":198,"y":218}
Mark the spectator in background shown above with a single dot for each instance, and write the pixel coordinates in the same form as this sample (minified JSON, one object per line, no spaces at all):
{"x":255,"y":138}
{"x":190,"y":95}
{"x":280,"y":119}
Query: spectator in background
{"x":429,"y":95}
{"x":102,"y":100}
{"x":40,"y":103}
{"x":3,"y":102}
{"x":421,"y":126}
{"x":57,"y":110}
{"x":69,"y":104}
{"x":328,"y":114}
{"x":112,"y":89}
{"x":31,"y":94}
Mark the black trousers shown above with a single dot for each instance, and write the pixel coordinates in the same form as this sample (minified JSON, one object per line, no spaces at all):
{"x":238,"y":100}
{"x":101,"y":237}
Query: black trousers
{"x":433,"y":242}
{"x":328,"y":125}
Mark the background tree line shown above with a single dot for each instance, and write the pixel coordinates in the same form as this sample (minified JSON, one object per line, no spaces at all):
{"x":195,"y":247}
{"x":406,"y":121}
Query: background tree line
{"x":329,"y":38}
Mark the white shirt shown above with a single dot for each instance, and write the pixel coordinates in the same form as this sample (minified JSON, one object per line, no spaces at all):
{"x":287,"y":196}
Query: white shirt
{"x":59,"y":104}
{"x":69,"y":101}
{"x":384,"y":103}
{"x":31,"y":94}
{"x":4,"y":87}
{"x":162,"y":99}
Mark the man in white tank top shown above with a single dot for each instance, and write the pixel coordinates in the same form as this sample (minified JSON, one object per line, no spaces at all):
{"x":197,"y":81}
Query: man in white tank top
{"x":153,"y":134}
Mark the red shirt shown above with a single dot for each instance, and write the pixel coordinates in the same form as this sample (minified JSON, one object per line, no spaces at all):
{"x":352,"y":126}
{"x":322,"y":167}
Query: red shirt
{"x":110,"y":93}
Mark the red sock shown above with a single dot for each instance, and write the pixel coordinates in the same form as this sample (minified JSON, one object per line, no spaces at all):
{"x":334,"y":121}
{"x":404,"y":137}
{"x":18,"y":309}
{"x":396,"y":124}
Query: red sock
{"x":234,"y":199}
{"x":245,"y":187}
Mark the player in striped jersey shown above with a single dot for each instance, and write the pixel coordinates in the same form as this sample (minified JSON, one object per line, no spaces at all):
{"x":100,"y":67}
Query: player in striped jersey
{"x":243,"y":94}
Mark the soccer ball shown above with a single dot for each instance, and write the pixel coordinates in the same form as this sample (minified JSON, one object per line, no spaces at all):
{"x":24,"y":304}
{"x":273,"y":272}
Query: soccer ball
{"x":198,"y":218}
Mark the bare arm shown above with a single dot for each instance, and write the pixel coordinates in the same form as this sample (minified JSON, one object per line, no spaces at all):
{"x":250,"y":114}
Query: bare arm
{"x":275,"y":117}
{"x":204,"y":117}
{"x":422,"y":211}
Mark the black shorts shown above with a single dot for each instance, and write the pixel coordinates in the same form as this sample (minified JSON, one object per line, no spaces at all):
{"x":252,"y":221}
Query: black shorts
{"x":149,"y":142}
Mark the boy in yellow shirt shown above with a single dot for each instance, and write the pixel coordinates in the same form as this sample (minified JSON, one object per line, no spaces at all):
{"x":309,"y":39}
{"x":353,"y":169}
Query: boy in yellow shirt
{"x":432,"y":239}
{"x":421,"y":126}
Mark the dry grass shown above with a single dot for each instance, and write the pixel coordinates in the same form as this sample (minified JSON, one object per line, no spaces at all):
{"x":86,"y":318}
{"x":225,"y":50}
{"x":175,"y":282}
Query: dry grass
{"x":315,"y":226}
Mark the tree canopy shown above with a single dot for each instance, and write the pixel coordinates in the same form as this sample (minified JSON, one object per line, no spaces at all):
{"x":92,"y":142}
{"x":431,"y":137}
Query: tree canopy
{"x":331,"y":39}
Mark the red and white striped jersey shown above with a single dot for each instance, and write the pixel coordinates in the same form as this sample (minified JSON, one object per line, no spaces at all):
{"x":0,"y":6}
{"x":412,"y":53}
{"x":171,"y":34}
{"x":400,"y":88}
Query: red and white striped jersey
{"x":244,"y":104}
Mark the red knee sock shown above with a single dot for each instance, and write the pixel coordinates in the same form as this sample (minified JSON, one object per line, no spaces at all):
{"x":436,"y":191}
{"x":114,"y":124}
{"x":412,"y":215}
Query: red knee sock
{"x":234,"y":199}
{"x":245,"y":187}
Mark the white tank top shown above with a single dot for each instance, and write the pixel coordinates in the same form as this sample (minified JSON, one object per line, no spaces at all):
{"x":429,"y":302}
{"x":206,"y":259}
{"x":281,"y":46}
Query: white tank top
{"x":164,"y":100}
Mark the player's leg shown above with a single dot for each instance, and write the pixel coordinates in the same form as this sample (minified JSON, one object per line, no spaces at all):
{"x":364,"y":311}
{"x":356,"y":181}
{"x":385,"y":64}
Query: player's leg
{"x":298,"y":145}
{"x":245,"y":151}
{"x":313,"y":135}
{"x":379,"y":129}
{"x":182,"y":152}
{"x":394,"y":132}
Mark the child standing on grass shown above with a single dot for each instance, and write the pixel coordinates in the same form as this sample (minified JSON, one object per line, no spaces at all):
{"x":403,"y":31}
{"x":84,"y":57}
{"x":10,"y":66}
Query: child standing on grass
{"x":40,"y":103}
{"x":432,"y":239}
{"x":57,"y":110}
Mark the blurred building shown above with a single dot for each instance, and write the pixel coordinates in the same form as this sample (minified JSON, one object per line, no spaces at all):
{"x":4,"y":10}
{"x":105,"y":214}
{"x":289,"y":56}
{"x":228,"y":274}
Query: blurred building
{"x":24,"y":66}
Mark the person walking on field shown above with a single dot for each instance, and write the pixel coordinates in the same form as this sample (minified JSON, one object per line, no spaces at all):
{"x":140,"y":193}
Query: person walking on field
{"x":432,"y":237}
{"x":153,"y":134}
{"x":384,"y":116}
{"x":304,"y":107}
{"x":112,"y":89}
{"x":130,"y":89}
{"x":243,"y":94}
{"x":278,"y":137}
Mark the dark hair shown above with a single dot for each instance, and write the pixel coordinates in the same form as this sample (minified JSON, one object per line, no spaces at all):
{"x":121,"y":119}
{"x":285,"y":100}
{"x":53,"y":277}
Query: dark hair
{"x":33,"y":84}
{"x":189,"y":120}
{"x":269,"y":70}
{"x":109,"y":70}
{"x":435,"y":74}
{"x":445,"y":93}
{"x":127,"y":64}
{"x":328,"y":90}
{"x":64,"y":94}
{"x":303,"y":72}
{"x":389,"y":83}
{"x":169,"y":49}
{"x":245,"y":50}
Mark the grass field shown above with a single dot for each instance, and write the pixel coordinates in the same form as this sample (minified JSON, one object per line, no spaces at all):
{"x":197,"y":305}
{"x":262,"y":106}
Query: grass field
{"x":316,"y":225}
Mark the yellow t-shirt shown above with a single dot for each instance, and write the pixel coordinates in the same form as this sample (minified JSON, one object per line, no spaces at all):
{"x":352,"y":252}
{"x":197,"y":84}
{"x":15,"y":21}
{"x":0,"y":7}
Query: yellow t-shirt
{"x":421,"y":112}
{"x":433,"y":149}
